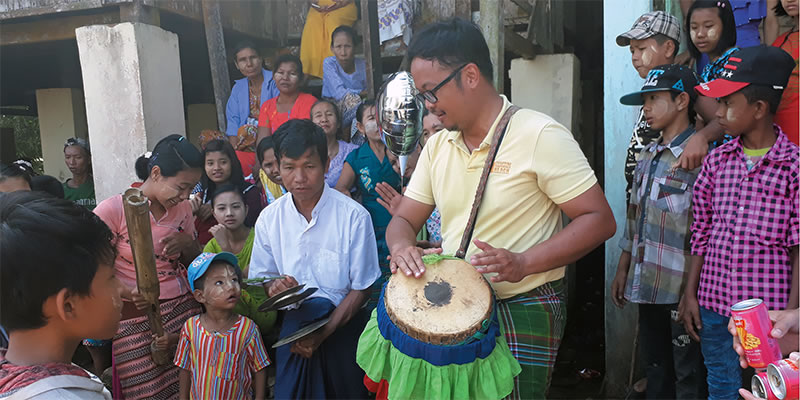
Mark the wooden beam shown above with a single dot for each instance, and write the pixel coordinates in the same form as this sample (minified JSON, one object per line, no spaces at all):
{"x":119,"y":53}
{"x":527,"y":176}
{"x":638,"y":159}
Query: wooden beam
{"x":51,"y":29}
{"x":463,"y":9}
{"x":280,"y":21}
{"x":372,"y":44}
{"x":540,"y":30}
{"x":215,"y":41}
{"x":492,"y":27}
{"x":30,"y":8}
{"x":518,"y":44}
{"x":524,"y":5}
{"x":137,"y":11}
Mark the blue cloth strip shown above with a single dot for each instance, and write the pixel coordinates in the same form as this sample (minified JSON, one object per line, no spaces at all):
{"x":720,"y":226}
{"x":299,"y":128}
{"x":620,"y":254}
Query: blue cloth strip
{"x":435,"y":354}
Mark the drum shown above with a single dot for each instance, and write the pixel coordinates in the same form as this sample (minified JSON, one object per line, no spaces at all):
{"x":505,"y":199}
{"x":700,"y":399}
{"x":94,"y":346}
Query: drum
{"x":438,"y":336}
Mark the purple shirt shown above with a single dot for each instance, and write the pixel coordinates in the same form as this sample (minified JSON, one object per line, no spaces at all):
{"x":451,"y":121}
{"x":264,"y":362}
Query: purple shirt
{"x":745,"y":223}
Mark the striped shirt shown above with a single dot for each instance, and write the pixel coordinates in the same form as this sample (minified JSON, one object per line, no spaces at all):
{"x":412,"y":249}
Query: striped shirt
{"x":745,"y":224}
{"x":657,"y":224}
{"x":222,"y":364}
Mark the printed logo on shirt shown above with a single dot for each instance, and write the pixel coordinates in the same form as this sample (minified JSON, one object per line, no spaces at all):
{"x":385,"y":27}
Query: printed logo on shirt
{"x":501,"y":167}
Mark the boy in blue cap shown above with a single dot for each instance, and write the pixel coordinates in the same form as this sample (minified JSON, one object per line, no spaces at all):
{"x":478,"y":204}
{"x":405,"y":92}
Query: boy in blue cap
{"x":655,"y":245}
{"x":220,"y":353}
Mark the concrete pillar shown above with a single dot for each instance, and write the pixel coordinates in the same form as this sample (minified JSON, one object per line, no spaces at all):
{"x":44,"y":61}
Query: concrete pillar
{"x":549,"y":83}
{"x":134,"y":97}
{"x":62,"y":115}
{"x":619,"y":78}
{"x":198,"y":118}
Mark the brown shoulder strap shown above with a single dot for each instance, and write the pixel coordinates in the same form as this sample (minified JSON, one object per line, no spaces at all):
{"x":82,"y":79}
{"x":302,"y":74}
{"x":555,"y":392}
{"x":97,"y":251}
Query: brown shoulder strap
{"x":499,"y":132}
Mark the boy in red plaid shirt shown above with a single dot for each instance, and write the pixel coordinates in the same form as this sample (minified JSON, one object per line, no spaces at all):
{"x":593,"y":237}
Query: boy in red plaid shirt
{"x":745,"y":207}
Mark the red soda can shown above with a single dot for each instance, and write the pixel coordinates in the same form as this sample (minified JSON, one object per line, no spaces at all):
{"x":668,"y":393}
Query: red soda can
{"x":753,"y":326}
{"x":784,"y":379}
{"x":760,"y":387}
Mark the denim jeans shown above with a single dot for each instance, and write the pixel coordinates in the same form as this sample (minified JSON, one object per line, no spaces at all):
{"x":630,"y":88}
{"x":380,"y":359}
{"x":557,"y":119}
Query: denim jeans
{"x":722,"y":363}
{"x":673,"y":362}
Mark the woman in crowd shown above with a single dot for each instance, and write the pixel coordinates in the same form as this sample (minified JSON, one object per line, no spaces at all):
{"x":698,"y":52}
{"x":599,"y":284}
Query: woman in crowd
{"x":345,"y":79}
{"x":220,"y":167}
{"x":290,"y":103}
{"x":79,"y":188}
{"x":323,"y":17}
{"x":169,"y":174}
{"x":788,"y":115}
{"x":326,"y":115}
{"x":15,"y":176}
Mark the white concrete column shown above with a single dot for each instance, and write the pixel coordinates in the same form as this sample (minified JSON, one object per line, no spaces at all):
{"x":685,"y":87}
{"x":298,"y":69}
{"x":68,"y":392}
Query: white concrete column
{"x":134,"y":97}
{"x":62,"y":115}
{"x":550,"y":84}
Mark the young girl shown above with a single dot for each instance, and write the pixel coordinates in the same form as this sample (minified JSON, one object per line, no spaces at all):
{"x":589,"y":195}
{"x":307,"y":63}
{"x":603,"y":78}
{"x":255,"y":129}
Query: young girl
{"x":345,"y":79}
{"x":220,"y":167}
{"x":15,"y":176}
{"x":363,"y":169}
{"x":291,"y":103}
{"x":79,"y":188}
{"x":231,"y":235}
{"x":326,"y":115}
{"x":220,"y":354}
{"x":712,"y":30}
{"x":169,"y":174}
{"x":787,"y":116}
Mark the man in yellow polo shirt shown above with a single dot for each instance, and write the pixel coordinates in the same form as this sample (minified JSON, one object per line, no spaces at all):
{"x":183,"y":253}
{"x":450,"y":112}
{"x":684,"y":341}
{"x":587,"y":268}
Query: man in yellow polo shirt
{"x":539,"y":171}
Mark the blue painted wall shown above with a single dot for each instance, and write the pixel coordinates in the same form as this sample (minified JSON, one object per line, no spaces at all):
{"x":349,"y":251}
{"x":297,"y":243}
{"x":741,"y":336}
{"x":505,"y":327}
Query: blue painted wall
{"x":620,"y":78}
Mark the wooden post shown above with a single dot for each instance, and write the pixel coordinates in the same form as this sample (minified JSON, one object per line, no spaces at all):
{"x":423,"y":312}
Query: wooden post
{"x":215,"y":41}
{"x":137,"y":216}
{"x":136,"y":11}
{"x":492,"y":27}
{"x":372,"y":46}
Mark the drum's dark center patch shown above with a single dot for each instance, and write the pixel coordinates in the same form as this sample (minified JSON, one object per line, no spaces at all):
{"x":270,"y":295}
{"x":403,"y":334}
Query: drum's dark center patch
{"x":438,"y":293}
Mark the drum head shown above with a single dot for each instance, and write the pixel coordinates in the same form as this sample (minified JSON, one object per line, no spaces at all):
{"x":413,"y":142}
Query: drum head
{"x":445,"y":306}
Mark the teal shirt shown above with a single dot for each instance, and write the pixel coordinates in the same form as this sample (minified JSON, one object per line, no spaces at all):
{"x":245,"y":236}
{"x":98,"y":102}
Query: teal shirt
{"x":369,"y":172}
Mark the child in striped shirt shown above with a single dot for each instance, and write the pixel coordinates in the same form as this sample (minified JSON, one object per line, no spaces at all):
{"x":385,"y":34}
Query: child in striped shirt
{"x":220,"y":353}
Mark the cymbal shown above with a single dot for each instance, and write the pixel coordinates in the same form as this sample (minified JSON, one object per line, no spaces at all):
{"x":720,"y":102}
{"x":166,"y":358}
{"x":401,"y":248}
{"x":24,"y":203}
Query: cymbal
{"x":285,"y":298}
{"x":302,"y":332}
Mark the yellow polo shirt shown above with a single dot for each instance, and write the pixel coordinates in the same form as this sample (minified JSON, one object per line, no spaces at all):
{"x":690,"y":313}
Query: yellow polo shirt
{"x":539,"y":165}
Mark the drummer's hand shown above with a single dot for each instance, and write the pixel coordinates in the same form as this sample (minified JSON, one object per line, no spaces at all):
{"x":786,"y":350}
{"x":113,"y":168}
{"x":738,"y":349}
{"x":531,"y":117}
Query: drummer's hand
{"x":279,"y":285}
{"x":508,"y":265}
{"x":175,"y":243}
{"x":408,"y":260}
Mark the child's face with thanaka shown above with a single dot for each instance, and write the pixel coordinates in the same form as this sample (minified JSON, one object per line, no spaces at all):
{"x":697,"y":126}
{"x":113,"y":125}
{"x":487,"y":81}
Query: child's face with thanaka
{"x":660,"y":109}
{"x":737,"y":116}
{"x":369,"y":126}
{"x":705,"y":29}
{"x":647,"y":53}
{"x":95,"y":315}
{"x":230,"y":210}
{"x":221,"y":289}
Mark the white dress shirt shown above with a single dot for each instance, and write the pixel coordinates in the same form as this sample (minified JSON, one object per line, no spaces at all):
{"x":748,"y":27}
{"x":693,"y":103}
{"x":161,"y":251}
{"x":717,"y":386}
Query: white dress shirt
{"x":336,"y":251}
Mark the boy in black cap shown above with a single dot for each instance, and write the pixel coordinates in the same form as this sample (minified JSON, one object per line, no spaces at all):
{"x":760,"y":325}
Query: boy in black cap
{"x":746,"y":229}
{"x":654,"y":40}
{"x":655,"y":252}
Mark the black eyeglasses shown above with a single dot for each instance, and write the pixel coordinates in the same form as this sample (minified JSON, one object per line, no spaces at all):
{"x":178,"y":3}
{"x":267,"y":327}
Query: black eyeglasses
{"x":430,"y":95}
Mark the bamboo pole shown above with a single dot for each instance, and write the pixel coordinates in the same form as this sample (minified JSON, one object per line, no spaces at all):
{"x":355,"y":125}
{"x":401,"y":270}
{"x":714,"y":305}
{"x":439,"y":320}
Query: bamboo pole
{"x":137,"y":216}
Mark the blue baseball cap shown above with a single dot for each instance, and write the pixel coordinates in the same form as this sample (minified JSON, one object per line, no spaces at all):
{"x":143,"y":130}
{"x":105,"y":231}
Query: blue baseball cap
{"x":200,"y":265}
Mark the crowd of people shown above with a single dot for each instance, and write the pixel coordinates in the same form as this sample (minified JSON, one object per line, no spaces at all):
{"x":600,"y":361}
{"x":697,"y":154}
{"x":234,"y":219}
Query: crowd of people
{"x":292,"y":195}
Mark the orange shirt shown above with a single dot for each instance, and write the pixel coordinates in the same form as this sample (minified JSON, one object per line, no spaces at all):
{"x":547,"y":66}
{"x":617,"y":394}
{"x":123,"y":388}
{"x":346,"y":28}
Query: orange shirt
{"x":788,"y":113}
{"x":270,"y":117}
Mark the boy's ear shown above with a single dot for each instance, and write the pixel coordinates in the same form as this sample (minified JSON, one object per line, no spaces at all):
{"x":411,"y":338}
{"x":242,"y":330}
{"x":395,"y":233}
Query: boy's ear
{"x":198,"y":295}
{"x":761,"y":108}
{"x":682,"y":101}
{"x":669,"y":50}
{"x":64,"y":303}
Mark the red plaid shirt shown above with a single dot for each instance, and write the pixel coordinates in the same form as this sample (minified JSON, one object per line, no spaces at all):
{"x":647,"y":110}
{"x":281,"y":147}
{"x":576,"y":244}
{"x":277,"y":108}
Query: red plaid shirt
{"x":745,"y":223}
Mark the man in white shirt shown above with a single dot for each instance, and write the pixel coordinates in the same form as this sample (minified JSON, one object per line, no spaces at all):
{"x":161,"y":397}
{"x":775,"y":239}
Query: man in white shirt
{"x":319,"y":237}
